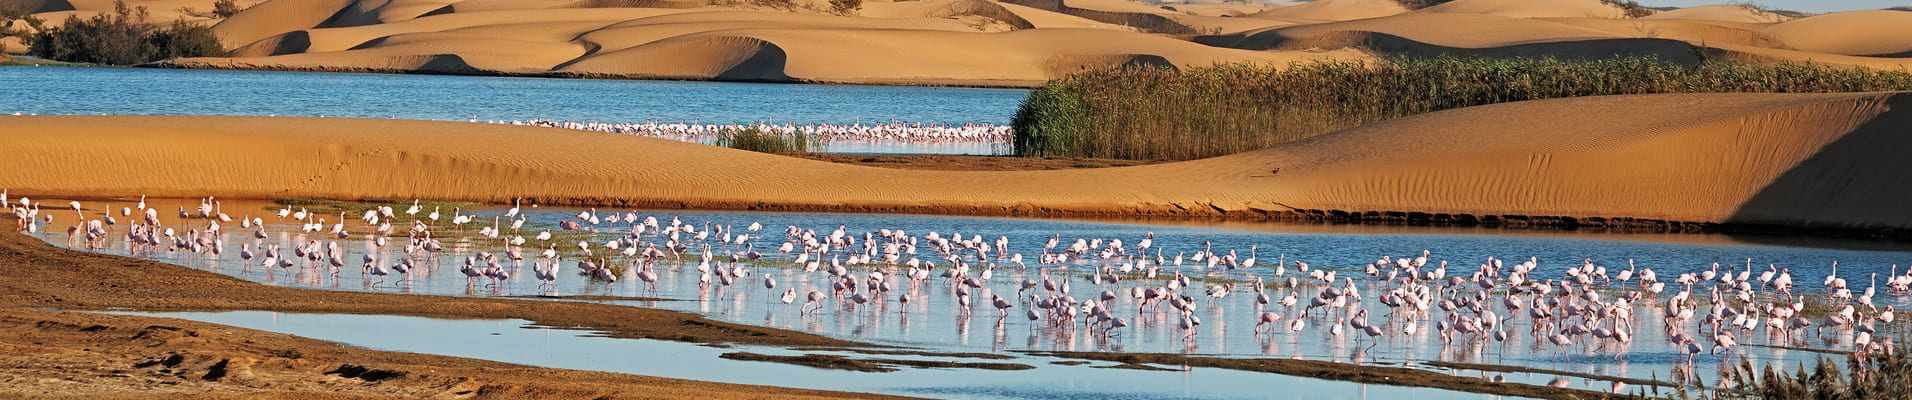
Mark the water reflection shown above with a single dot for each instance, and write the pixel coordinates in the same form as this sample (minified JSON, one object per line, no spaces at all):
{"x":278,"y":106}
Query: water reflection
{"x":933,"y":318}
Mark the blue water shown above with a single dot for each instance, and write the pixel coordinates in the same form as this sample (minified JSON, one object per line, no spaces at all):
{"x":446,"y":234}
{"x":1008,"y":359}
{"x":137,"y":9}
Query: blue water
{"x":934,"y":318}
{"x":137,"y":91}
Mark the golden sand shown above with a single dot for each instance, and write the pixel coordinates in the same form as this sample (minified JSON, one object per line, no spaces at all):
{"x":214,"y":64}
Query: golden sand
{"x":1789,"y":159}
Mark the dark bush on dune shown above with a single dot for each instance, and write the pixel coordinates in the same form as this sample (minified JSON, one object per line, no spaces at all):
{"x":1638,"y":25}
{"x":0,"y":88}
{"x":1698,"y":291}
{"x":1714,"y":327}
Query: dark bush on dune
{"x":123,"y":37}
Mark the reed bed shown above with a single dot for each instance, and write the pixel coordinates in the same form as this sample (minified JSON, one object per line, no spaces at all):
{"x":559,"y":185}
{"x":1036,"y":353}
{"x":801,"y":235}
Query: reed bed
{"x":759,"y":139}
{"x":1166,"y":114}
{"x":1874,"y":376}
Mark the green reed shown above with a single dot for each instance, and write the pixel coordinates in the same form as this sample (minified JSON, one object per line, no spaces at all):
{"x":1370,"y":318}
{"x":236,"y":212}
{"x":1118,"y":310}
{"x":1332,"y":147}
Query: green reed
{"x":1166,"y":114}
{"x":765,"y":140}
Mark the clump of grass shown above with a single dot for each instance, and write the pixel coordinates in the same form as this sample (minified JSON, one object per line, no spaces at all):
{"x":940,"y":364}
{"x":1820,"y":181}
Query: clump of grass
{"x":1157,"y":113}
{"x":1874,"y":376}
{"x":764,"y":139}
{"x":1091,"y":165}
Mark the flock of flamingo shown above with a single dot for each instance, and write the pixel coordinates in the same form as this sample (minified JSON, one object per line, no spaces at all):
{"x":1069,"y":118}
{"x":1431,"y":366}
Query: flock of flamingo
{"x":1706,"y":310}
{"x":859,"y":133}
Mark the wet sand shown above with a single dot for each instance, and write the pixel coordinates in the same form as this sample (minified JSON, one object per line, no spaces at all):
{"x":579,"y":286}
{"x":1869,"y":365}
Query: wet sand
{"x":74,"y":355}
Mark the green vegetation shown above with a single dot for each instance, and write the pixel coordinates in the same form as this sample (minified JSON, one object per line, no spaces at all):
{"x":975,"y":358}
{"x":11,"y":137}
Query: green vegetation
{"x":123,"y":37}
{"x":226,"y":8}
{"x":1165,"y":114}
{"x":764,"y":140}
{"x":1633,"y":8}
{"x":1420,"y":4}
{"x":220,"y":9}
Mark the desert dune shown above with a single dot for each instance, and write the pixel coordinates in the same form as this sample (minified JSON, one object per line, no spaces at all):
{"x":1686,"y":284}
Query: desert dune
{"x":1335,"y":10}
{"x":1721,"y":12}
{"x":1530,"y":8}
{"x":1851,"y":33}
{"x":977,"y":42}
{"x":730,"y":44}
{"x":1818,"y":160}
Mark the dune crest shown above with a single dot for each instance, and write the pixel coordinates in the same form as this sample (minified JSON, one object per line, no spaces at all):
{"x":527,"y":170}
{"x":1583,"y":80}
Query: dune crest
{"x":1797,"y":160}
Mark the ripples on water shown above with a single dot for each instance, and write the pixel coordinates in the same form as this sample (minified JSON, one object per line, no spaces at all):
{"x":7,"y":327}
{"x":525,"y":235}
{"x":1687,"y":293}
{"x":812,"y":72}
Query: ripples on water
{"x":933,"y":320}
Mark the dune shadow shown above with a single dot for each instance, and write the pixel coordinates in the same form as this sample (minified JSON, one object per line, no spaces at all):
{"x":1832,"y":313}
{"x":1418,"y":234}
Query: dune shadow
{"x":1858,"y":185}
{"x":766,"y":64}
{"x":293,"y":42}
{"x":447,"y":64}
{"x":38,"y":6}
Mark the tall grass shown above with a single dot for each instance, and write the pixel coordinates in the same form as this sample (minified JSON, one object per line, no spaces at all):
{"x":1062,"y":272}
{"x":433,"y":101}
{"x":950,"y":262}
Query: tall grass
{"x":1166,"y":114}
{"x":763,"y":139}
{"x":1876,"y":376}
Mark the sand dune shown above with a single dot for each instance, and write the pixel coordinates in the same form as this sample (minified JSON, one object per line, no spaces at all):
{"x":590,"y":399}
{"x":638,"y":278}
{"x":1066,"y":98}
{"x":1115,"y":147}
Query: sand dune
{"x":982,"y":42}
{"x":1335,"y":10}
{"x":1040,"y":18}
{"x":1721,"y":12}
{"x":37,"y":6}
{"x":1439,"y":29}
{"x":931,"y":43}
{"x":274,"y":18}
{"x":1824,"y":160}
{"x":1530,"y":8}
{"x":1880,"y":33}
{"x":977,"y":42}
{"x":1710,"y":33}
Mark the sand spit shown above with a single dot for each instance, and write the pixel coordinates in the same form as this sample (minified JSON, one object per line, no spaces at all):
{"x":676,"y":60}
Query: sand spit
{"x":74,"y":355}
{"x":60,"y":354}
{"x":87,"y":281}
{"x":1681,"y":161}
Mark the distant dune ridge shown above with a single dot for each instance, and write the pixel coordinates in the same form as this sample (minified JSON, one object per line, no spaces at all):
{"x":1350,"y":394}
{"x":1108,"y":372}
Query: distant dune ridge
{"x":1818,"y":160}
{"x":976,"y":42}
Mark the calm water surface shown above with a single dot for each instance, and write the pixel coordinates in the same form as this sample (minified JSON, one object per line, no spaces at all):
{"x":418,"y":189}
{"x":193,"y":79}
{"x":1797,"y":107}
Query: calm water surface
{"x":141,"y":91}
{"x":934,"y":320}
{"x":517,"y":341}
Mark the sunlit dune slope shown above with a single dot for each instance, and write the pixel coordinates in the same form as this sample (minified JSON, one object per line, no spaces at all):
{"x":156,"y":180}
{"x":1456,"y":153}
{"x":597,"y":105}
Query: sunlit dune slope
{"x":1721,"y":12}
{"x":1787,"y":159}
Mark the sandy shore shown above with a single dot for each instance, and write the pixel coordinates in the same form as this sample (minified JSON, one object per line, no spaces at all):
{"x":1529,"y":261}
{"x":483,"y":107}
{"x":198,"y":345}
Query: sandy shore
{"x":1778,"y":160}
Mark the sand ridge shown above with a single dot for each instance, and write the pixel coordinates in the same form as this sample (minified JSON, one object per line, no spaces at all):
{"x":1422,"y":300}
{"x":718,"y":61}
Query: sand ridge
{"x":1781,"y":159}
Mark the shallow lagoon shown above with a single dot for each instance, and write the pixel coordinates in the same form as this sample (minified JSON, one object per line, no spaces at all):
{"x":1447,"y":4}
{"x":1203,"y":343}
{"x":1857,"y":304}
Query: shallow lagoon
{"x":934,"y":321}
